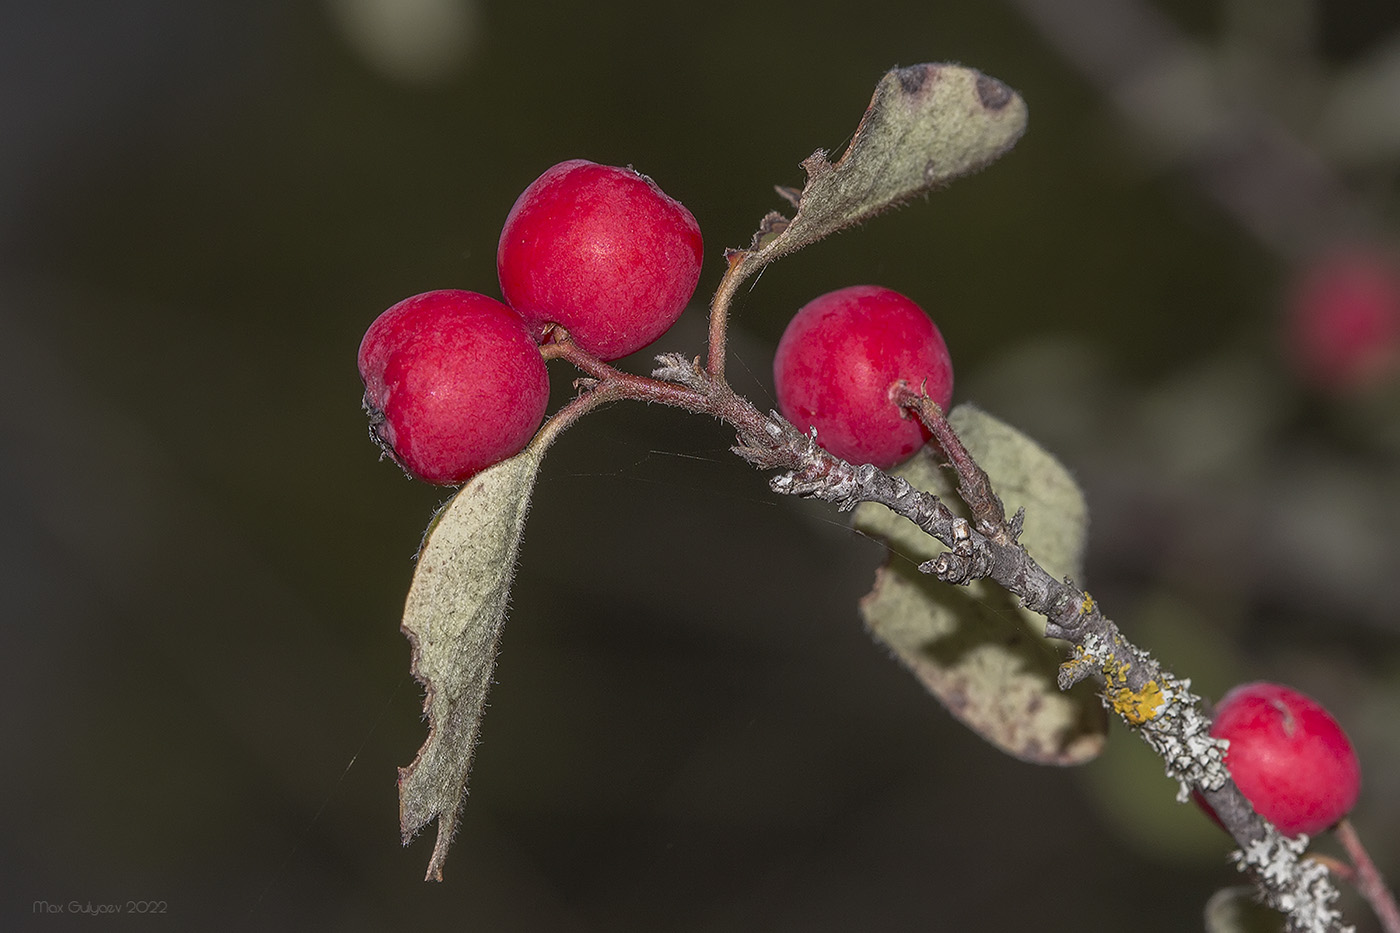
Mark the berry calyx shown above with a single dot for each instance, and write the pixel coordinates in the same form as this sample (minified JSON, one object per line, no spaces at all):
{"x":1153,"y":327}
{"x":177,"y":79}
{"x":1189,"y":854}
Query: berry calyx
{"x":602,"y":251}
{"x":838,"y":361}
{"x":1288,"y":756}
{"x":454,"y":383}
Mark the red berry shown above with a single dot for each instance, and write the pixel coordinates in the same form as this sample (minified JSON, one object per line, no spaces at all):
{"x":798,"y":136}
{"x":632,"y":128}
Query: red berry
{"x":1288,"y":756}
{"x":838,"y":361}
{"x":602,"y":251}
{"x":1344,"y":323}
{"x":453,"y":383}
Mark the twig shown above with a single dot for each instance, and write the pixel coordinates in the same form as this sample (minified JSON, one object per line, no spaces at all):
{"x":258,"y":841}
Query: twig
{"x":1368,"y":878}
{"x":1158,"y":705}
{"x":974,"y":486}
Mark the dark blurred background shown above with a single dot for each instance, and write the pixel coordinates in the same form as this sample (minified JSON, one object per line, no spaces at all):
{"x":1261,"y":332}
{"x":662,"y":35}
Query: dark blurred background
{"x":205,"y":692}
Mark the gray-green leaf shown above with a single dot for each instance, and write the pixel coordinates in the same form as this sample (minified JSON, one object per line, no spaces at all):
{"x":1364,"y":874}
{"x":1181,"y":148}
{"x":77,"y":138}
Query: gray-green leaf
{"x":926,"y":125}
{"x":453,"y":617}
{"x":1237,"y":910}
{"x":973,"y":647}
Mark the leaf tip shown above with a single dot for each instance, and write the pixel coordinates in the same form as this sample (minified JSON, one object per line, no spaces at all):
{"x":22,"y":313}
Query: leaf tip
{"x":993,"y":94}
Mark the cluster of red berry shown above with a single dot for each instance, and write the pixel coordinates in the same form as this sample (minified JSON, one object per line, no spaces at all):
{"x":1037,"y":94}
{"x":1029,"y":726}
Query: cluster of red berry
{"x":455,"y":382}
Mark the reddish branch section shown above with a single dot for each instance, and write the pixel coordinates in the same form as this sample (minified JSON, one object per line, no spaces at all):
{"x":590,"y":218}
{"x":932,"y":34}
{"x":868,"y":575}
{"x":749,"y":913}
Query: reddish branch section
{"x":1368,"y":878}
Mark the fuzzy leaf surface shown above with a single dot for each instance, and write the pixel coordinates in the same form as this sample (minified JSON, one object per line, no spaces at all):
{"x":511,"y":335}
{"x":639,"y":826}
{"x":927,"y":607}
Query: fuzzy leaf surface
{"x":926,"y":125}
{"x":453,"y":616}
{"x":983,"y":656}
{"x":1237,"y":910}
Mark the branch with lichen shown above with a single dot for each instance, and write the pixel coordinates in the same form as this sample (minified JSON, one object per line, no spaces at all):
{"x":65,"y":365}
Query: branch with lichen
{"x":1153,"y":702}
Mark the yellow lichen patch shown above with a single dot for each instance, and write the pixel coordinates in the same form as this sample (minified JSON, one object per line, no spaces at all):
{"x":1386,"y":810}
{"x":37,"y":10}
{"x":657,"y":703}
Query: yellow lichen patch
{"x":1135,"y":706}
{"x":1115,"y":675}
{"x":1086,"y":605}
{"x":1076,"y":668}
{"x":1138,"y":706}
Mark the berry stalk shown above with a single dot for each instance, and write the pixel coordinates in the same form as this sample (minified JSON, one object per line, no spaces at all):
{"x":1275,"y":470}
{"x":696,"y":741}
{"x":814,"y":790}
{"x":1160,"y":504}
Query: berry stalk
{"x":1368,"y":878}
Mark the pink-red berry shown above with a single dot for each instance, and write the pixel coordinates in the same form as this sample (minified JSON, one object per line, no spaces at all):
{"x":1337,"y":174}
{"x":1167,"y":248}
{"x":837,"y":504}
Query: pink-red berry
{"x":602,"y":251}
{"x":1344,"y":320}
{"x":1288,"y":756}
{"x":839,"y":360}
{"x":454,"y":382}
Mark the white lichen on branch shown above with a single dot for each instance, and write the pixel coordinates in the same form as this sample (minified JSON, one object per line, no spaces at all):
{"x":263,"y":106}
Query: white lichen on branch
{"x":1163,"y":710}
{"x":1159,"y":706}
{"x":1298,"y":887}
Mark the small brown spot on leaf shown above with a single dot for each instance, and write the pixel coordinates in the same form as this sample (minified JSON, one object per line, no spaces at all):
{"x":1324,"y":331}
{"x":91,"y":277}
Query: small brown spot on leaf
{"x":913,"y":78}
{"x":993,"y":94}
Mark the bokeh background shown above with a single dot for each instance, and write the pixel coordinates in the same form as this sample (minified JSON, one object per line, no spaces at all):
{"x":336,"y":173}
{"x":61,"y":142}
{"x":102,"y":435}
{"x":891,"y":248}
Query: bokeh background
{"x":204,"y":693}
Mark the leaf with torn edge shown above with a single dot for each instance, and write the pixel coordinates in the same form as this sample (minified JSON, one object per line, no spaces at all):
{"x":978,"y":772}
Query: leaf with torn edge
{"x":926,"y":125}
{"x":453,"y":617}
{"x":973,"y":647}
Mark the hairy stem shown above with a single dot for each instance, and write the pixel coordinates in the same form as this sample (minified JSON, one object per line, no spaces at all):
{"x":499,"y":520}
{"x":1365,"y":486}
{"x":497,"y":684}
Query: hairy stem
{"x":974,"y":486}
{"x":719,"y":313}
